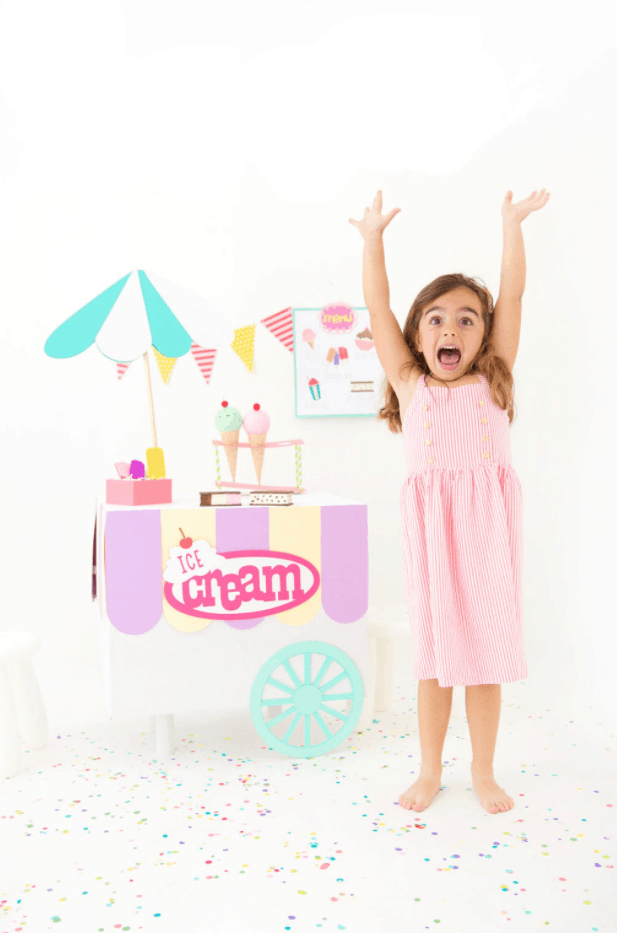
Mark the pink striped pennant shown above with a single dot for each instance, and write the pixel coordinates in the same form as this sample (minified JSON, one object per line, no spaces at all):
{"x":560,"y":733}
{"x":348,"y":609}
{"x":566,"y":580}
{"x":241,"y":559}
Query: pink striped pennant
{"x":121,"y":368}
{"x":204,"y":359}
{"x":281,"y":325}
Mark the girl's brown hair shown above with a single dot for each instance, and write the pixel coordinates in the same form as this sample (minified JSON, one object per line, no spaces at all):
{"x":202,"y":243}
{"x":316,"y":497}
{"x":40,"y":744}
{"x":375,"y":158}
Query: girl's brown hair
{"x":487,"y":361}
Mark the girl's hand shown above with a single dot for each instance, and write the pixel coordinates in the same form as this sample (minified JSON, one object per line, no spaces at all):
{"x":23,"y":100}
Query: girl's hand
{"x":374,"y":221}
{"x":517,"y":212}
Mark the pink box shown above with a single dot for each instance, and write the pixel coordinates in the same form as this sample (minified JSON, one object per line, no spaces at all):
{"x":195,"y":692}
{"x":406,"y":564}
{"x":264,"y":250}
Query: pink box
{"x":138,"y":491}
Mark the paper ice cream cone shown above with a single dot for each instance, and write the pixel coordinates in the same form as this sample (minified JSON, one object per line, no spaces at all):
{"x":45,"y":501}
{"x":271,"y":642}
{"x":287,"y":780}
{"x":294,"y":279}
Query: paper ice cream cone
{"x":257,"y":452}
{"x":230,"y":440}
{"x":257,"y":424}
{"x":311,"y":344}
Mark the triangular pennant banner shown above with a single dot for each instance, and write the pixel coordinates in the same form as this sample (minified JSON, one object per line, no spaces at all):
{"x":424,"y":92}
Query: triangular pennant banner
{"x":204,"y":359}
{"x":244,"y":345}
{"x":165,"y":364}
{"x":121,"y":368}
{"x":281,"y":325}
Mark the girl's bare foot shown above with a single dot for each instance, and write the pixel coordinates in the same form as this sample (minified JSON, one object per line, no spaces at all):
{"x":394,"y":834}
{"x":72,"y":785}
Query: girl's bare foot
{"x":492,"y":797}
{"x":419,"y":795}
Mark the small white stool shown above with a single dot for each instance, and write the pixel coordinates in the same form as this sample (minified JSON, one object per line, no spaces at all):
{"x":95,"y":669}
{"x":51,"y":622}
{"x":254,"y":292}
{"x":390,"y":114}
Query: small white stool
{"x":22,"y":711}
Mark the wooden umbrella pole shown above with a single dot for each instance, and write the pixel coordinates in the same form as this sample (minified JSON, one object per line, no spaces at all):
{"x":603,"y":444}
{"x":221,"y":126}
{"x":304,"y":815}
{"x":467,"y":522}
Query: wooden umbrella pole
{"x":149,"y":381}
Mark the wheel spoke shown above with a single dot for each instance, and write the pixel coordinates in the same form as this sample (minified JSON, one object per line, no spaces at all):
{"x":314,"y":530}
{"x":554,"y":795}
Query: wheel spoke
{"x":324,"y":667}
{"x":280,"y":685}
{"x":334,"y":712}
{"x":292,"y":727}
{"x":280,"y":717}
{"x":334,"y":681}
{"x":292,"y":673}
{"x":307,"y":729}
{"x":322,"y":725}
{"x":307,"y":667}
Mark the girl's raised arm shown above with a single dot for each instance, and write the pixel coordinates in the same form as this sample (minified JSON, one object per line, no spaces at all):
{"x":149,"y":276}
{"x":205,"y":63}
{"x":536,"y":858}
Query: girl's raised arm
{"x":390,"y":344}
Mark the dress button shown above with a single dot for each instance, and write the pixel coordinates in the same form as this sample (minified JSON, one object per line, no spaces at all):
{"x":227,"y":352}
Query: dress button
{"x":426,"y":408}
{"x":485,"y":438}
{"x":427,"y":441}
{"x":431,"y":460}
{"x":485,"y":454}
{"x":484,"y":421}
{"x":426,"y":424}
{"x":481,"y":402}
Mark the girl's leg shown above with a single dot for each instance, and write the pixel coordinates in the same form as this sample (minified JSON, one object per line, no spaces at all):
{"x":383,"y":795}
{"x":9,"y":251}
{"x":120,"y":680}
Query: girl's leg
{"x":434,"y":707}
{"x":483,"y":707}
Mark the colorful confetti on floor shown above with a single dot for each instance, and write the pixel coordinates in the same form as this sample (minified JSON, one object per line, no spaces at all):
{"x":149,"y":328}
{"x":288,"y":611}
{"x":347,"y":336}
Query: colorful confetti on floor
{"x":97,"y":835}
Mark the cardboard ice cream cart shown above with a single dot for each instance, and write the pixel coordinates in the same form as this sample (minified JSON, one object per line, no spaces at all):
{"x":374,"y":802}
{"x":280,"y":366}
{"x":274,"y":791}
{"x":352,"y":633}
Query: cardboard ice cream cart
{"x":264,"y":608}
{"x":203,"y":606}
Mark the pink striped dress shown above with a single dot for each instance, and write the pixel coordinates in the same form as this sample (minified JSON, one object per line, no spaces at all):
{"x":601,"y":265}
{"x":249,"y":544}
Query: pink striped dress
{"x":462,"y":511}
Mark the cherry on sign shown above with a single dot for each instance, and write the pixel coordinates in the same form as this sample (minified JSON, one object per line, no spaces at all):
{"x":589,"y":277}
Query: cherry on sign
{"x":185,"y":542}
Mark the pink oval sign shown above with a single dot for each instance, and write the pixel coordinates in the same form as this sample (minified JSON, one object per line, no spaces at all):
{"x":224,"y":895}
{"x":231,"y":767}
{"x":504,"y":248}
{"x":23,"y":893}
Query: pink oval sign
{"x":338,"y":319}
{"x":242,"y":585}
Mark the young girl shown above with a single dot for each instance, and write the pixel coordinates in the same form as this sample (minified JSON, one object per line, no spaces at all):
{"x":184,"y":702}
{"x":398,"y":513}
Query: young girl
{"x":449,"y":390}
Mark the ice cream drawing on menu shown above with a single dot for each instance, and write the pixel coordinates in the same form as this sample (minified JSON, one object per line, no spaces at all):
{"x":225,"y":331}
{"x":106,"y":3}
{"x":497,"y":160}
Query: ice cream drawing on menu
{"x":315,"y":388}
{"x":343,"y":353}
{"x":364,"y":340}
{"x":228,"y":423}
{"x":309,"y":336}
{"x":330,"y":355}
{"x":366,"y":385}
{"x":257,"y":424}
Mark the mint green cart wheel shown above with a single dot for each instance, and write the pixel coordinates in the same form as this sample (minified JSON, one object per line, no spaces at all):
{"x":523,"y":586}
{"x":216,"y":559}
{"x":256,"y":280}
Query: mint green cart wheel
{"x":319,"y":689}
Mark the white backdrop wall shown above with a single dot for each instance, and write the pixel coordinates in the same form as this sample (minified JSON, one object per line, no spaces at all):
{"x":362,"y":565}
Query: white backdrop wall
{"x":226,"y":151}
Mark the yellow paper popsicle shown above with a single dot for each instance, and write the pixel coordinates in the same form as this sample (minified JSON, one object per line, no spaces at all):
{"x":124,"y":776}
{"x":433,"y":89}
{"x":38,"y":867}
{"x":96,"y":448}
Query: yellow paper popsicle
{"x":155,"y":463}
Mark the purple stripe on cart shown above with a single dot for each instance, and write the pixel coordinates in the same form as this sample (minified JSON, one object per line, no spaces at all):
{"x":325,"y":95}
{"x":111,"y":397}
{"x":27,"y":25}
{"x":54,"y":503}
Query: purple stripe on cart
{"x":242,"y":529}
{"x":133,"y":570}
{"x":344,"y":561}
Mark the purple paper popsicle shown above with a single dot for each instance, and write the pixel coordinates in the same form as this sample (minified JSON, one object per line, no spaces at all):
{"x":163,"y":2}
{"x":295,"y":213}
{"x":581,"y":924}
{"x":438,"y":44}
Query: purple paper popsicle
{"x":137,"y":469}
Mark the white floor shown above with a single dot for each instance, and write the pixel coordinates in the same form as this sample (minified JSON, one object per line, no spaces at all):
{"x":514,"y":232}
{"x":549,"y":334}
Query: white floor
{"x":96,"y":835}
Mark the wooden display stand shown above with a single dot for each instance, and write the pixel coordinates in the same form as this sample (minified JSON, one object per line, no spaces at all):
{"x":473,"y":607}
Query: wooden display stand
{"x":273,"y":444}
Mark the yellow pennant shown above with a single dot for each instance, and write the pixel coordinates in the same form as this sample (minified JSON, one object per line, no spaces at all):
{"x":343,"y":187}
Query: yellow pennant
{"x":244,"y":345}
{"x":165,"y":364}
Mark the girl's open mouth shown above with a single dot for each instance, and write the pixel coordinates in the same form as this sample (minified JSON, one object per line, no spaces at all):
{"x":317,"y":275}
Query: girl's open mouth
{"x":449,"y":359}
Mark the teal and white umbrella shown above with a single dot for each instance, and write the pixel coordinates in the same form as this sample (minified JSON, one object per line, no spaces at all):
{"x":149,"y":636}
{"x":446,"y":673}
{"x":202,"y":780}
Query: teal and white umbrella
{"x":138,"y":312}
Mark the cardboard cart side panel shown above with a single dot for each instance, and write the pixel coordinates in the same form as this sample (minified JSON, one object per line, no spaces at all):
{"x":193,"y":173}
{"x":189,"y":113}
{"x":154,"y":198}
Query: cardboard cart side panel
{"x":164,"y":670}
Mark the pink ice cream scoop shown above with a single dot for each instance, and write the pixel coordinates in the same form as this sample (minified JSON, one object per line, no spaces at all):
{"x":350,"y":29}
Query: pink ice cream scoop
{"x":257,"y":424}
{"x":256,"y":421}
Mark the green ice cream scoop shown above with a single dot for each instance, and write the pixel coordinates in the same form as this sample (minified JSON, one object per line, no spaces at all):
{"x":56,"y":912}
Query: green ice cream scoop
{"x":228,"y":418}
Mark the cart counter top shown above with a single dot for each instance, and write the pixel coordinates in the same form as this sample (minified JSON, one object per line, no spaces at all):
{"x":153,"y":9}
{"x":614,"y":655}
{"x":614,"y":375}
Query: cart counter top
{"x":300,"y":500}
